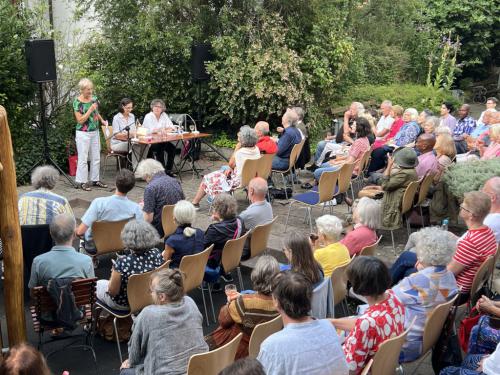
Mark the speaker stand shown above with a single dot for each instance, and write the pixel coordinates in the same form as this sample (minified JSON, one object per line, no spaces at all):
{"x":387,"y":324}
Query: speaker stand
{"x":46,"y":158}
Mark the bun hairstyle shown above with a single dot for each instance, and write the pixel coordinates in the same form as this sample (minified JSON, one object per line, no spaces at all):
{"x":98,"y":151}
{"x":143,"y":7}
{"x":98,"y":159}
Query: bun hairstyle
{"x":169,"y":282}
{"x":184,"y":214}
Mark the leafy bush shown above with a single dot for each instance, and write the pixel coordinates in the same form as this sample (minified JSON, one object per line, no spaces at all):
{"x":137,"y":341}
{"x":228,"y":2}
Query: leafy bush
{"x":222,"y":140}
{"x":470,"y":176}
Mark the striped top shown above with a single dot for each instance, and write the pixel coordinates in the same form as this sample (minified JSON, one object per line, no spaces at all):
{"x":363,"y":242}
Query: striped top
{"x":41,"y":206}
{"x":472,"y":250}
{"x":358,"y":148}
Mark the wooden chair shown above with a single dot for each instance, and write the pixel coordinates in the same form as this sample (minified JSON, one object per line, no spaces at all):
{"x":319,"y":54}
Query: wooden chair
{"x":260,"y":237}
{"x":339,"y":284}
{"x":193,"y":269}
{"x":249,"y":171}
{"x":107,"y":236}
{"x":265,"y":165}
{"x":261,"y":332}
{"x":324,"y":193}
{"x":167,"y":220}
{"x":138,"y":296}
{"x":423,"y":190}
{"x":364,"y":163}
{"x":294,"y":155}
{"x":109,"y":152}
{"x":84,"y":293}
{"x":370,"y":250}
{"x":344,"y":181}
{"x":231,"y":256}
{"x":481,"y":278}
{"x":386,"y":359}
{"x":213,"y":362}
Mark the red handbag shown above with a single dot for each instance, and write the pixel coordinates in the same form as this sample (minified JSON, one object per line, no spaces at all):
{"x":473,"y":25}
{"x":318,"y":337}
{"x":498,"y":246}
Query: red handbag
{"x":72,"y":159}
{"x":466,"y":327}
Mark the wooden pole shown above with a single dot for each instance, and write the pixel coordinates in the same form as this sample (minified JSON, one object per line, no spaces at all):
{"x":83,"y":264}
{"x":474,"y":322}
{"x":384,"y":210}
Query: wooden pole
{"x":10,"y":232}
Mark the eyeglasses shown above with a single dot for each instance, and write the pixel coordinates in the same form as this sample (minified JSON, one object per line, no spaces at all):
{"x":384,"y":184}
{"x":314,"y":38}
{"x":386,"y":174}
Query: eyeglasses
{"x":465,"y":209}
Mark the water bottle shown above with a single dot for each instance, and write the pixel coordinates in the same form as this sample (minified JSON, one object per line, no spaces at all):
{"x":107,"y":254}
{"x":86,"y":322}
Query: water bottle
{"x":444,"y":225}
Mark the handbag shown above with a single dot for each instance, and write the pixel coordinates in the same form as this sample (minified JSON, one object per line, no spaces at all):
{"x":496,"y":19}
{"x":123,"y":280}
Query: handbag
{"x":466,"y":326}
{"x":72,"y":158}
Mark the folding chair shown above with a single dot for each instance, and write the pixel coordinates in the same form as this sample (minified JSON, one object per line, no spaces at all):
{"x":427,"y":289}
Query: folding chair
{"x":339,"y":284}
{"x":422,"y":193}
{"x":261,"y":332}
{"x":167,"y":220}
{"x":370,"y":250}
{"x":294,"y":154}
{"x":107,"y":236}
{"x":109,"y":152}
{"x":259,"y":238}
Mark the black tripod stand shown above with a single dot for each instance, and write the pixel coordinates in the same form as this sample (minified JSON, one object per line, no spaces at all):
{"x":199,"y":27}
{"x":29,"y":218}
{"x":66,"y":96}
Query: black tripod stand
{"x":46,"y":158}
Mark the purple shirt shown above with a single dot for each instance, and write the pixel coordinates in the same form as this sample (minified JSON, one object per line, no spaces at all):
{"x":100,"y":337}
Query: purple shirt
{"x":427,"y":163}
{"x":449,"y":121}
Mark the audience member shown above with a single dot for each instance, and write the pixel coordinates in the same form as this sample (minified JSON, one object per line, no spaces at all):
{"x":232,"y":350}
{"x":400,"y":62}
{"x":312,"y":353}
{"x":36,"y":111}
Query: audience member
{"x":244,"y":366}
{"x":370,"y":279}
{"x":492,"y":189}
{"x":265,"y":144}
{"x":305,"y":345}
{"x":446,"y":118}
{"x":430,"y":125}
{"x":476,"y":364}
{"x":229,"y":177}
{"x":422,"y":291}
{"x":491,"y":105}
{"x":23,"y":359}
{"x":141,"y":239}
{"x":385,"y":122}
{"x":465,"y":125}
{"x":481,"y":130}
{"x":427,"y":161}
{"x":157,"y":121}
{"x":367,"y":215}
{"x":62,"y":261}
{"x":289,"y":138}
{"x":445,"y":155}
{"x":330,"y":253}
{"x":493,"y":150}
{"x":113,"y":208}
{"x":305,"y":153}
{"x":397,"y":114}
{"x":186,"y":240}
{"x":161,"y":190}
{"x":298,"y":251}
{"x":41,"y":205}
{"x":347,"y":133}
{"x":244,"y":311}
{"x":168,"y":333}
{"x":423,"y":117}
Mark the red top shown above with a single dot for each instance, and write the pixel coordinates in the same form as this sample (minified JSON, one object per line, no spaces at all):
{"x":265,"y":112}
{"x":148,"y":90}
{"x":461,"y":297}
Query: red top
{"x":358,"y":238}
{"x":266,"y":145}
{"x":396,"y":125}
{"x":472,"y":250}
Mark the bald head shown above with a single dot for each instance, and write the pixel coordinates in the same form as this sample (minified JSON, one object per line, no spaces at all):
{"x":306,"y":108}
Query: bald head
{"x":257,"y":189}
{"x":290,"y":118}
{"x":62,"y":229}
{"x":262,"y":128}
{"x":425,"y":142}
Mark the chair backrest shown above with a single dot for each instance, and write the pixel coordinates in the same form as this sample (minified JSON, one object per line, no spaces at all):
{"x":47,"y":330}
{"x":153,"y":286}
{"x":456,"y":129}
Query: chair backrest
{"x":167,"y":220}
{"x":345,"y":177}
{"x":265,"y":165}
{"x":294,"y":154}
{"x":138,"y":293}
{"x":370,"y":250}
{"x":260,"y":237}
{"x":213,"y":362}
{"x":249,"y":171}
{"x":107,"y":138}
{"x":424,"y":188}
{"x":261,"y":332}
{"x":482,"y":275}
{"x":434,"y":324}
{"x":364,"y":162}
{"x":36,"y":240}
{"x":386,"y":359}
{"x":327,"y":184}
{"x":320,"y":300}
{"x":232,"y":251}
{"x":193,"y":268}
{"x":107,"y":236}
{"x":339,"y":283}
{"x":408,"y":196}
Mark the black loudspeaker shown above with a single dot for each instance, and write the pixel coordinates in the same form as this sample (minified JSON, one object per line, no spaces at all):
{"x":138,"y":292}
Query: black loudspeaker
{"x":200,"y":53}
{"x":41,"y":60}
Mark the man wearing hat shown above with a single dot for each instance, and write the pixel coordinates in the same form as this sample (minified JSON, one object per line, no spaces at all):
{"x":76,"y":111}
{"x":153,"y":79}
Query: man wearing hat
{"x":399,"y":173}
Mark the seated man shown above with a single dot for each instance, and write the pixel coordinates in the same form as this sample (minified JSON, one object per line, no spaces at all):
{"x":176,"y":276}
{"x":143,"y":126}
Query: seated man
{"x":491,"y":105}
{"x":265,"y":144}
{"x":62,"y":261}
{"x":492,"y":189}
{"x":113,"y":208}
{"x":289,"y":138}
{"x":465,"y":125}
{"x":305,"y":345}
{"x":42,"y":205}
{"x":427,"y":161}
{"x":480,"y":133}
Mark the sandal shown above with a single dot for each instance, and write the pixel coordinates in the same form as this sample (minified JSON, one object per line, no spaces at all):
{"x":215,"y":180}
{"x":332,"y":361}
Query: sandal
{"x":85,"y":187}
{"x":99,"y":184}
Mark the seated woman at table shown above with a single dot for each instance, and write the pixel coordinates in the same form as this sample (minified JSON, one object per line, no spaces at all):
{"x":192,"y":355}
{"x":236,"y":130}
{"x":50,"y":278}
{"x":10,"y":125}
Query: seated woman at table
{"x":370,"y":279}
{"x":244,"y":311}
{"x":229,"y":176}
{"x":157,"y":121}
{"x":186,"y":240}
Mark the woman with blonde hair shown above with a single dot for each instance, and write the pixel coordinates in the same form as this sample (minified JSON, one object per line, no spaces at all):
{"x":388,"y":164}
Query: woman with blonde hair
{"x":493,"y":150}
{"x":445,"y":154}
{"x":88,"y":143}
{"x":186,"y":240}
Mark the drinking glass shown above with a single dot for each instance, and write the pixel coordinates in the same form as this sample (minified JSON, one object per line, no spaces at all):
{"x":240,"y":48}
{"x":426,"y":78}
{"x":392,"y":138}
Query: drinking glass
{"x":191,"y":127}
{"x":230,"y":290}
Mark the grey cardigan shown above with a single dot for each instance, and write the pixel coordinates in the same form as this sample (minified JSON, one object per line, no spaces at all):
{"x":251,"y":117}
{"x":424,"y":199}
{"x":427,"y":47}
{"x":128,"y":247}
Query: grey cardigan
{"x":164,"y":337}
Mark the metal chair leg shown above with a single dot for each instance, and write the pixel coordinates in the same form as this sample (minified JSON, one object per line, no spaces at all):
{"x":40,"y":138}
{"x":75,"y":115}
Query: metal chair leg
{"x":392,"y":237}
{"x":211,"y":301}
{"x":205,"y":305}
{"x":284,"y":184}
{"x":287,"y":216}
{"x":115,"y":327}
{"x":310,"y":219}
{"x":240,"y":278}
{"x":422,"y":216}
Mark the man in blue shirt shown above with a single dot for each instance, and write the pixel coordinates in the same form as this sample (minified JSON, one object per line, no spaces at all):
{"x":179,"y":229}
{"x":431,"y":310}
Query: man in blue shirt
{"x":113,"y":208}
{"x":289,"y":138}
{"x":465,"y":125}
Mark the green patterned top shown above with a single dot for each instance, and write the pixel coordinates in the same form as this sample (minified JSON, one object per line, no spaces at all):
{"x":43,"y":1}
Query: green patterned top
{"x":92,"y":123}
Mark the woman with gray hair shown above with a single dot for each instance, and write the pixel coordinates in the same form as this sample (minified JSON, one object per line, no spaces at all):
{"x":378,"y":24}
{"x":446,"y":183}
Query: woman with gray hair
{"x":366,"y":214}
{"x":141,"y":239}
{"x":229,"y":176}
{"x":431,"y":285}
{"x":186,"y":240}
{"x":157,"y":121}
{"x":165,"y":334}
{"x":244,"y":311}
{"x":41,"y":205}
{"x":329,"y":253}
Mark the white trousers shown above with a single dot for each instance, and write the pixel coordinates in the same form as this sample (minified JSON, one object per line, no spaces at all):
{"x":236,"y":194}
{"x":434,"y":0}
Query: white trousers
{"x":88,"y":146}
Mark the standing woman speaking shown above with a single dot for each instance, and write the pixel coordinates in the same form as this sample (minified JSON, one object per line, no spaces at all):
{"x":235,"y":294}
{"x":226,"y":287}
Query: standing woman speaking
{"x":87,"y":139}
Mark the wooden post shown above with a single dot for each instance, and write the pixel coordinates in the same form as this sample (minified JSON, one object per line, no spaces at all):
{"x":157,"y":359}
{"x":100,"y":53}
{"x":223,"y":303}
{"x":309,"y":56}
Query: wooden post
{"x":10,"y":232}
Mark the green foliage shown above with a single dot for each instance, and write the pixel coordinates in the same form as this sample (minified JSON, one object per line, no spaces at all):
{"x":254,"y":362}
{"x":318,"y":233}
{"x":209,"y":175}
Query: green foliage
{"x":469,"y":176}
{"x":222,"y":140}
